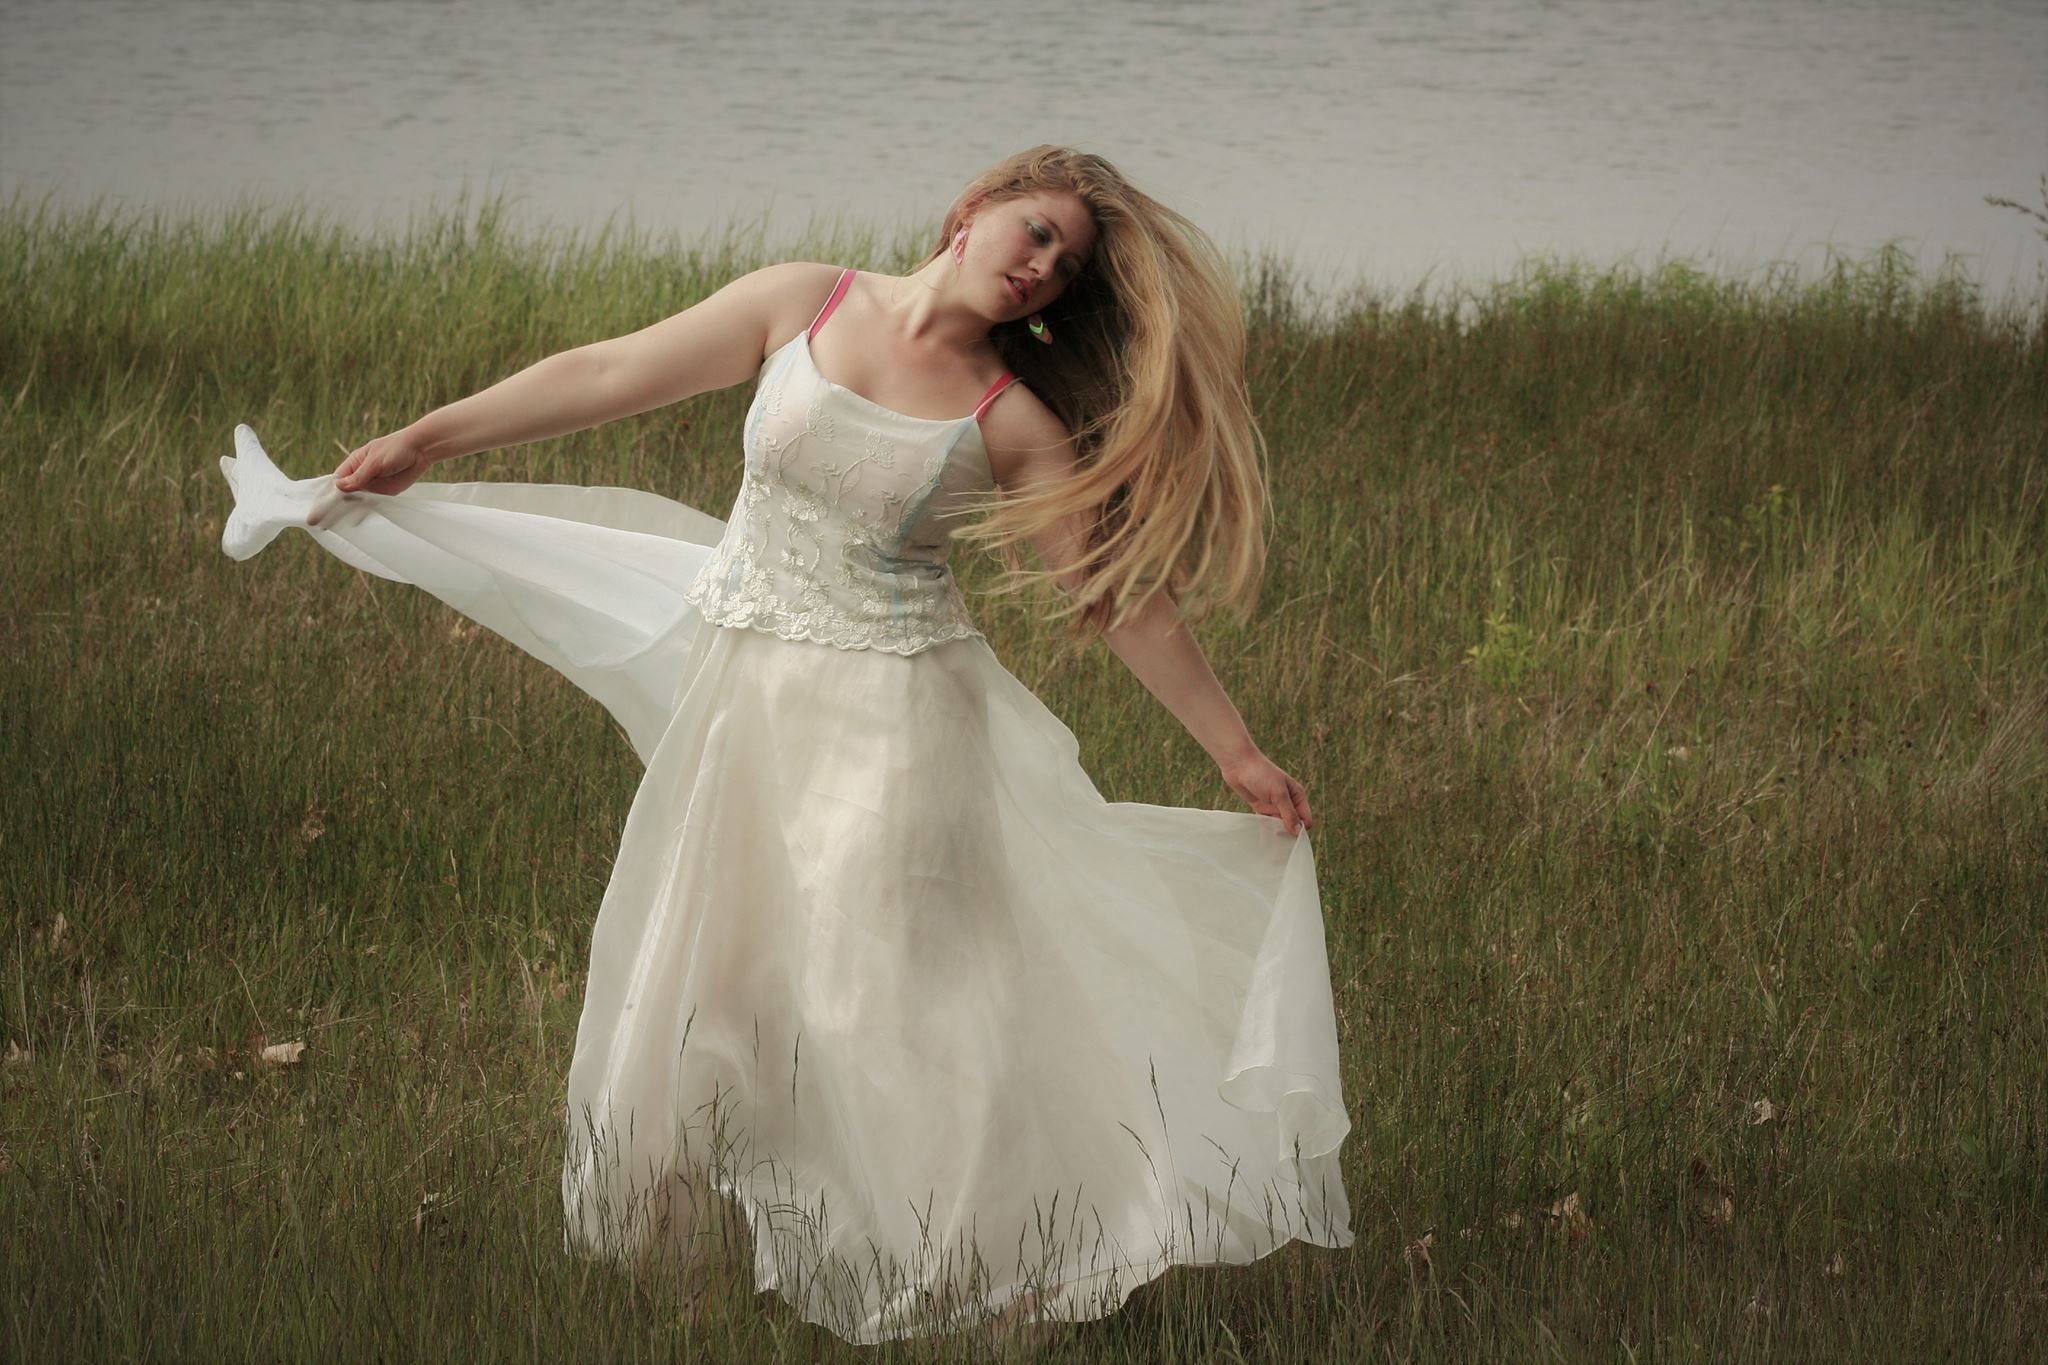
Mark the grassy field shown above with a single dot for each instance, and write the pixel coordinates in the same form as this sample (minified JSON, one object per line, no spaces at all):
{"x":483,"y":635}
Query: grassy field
{"x":1664,"y":656}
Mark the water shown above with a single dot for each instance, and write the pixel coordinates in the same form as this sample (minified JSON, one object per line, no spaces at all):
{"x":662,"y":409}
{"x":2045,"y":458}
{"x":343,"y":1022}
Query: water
{"x":1397,"y":142}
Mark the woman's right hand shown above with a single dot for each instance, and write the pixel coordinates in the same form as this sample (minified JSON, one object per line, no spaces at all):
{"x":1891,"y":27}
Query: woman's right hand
{"x":389,"y":464}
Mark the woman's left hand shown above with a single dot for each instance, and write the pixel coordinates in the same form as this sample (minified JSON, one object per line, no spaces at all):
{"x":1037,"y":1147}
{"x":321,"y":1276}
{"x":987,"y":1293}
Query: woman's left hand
{"x":1269,"y":790}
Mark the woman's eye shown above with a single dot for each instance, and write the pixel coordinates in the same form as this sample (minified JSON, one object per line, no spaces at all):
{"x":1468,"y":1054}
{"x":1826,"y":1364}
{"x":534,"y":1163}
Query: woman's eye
{"x":1038,"y":234}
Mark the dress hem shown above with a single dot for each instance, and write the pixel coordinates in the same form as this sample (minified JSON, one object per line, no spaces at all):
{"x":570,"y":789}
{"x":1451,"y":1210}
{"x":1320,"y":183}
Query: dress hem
{"x":1068,"y":1302}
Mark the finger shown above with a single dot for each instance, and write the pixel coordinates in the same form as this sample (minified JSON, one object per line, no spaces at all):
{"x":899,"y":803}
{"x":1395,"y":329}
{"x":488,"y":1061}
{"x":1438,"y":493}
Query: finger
{"x":1299,"y":795}
{"x":324,"y":508}
{"x":382,"y":473}
{"x":1283,"y":810}
{"x":1262,"y":805}
{"x":348,"y":468}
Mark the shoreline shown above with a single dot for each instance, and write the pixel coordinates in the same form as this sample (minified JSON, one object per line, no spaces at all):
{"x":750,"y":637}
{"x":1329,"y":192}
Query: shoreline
{"x":751,"y":236}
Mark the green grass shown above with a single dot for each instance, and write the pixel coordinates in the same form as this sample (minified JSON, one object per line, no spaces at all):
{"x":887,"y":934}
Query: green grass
{"x":1664,"y":655}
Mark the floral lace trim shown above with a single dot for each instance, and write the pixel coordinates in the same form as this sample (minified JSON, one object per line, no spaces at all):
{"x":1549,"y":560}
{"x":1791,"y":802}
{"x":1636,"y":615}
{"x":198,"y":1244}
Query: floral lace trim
{"x":756,"y":607}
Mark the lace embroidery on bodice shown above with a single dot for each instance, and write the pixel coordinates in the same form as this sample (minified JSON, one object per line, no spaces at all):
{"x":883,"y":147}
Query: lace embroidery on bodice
{"x":845,"y":517}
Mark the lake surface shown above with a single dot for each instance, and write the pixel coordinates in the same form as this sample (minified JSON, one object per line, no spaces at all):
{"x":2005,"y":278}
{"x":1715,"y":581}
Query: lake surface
{"x":1397,"y":142}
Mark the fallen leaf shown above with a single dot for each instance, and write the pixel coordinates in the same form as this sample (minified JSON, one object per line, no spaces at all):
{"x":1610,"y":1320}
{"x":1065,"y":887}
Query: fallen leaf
{"x":17,"y":1054}
{"x":57,"y":929}
{"x":1718,"y":1210}
{"x":1756,"y":1307}
{"x":1418,"y":1250}
{"x":1832,"y":1266}
{"x":429,"y":1201}
{"x":1763,"y":1111}
{"x":313,"y":826}
{"x":1571,"y":1217}
{"x":282,"y":1054}
{"x":1716,"y":1196}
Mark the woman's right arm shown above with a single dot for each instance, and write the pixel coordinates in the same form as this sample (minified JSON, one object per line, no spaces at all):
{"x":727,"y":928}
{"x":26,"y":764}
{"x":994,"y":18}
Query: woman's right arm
{"x":715,"y":344}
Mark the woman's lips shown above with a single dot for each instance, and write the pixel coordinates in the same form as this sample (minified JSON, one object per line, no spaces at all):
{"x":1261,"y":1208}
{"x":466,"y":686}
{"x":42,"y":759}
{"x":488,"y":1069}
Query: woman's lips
{"x":1017,"y":288}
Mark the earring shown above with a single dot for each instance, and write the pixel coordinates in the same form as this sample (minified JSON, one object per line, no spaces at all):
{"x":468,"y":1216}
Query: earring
{"x":959,"y":246}
{"x":1039,"y":329}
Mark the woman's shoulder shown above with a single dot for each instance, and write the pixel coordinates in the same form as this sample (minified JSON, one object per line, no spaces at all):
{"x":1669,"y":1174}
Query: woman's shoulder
{"x":789,"y":293}
{"x":798,"y":275}
{"x":1024,"y":438}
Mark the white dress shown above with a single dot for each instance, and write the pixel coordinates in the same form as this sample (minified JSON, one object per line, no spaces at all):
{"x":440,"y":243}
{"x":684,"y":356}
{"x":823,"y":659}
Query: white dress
{"x":876,"y":958}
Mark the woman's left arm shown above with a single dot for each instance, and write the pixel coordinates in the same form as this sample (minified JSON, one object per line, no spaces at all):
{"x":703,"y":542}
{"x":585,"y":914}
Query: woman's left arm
{"x":1027,"y":445}
{"x":1162,"y":652}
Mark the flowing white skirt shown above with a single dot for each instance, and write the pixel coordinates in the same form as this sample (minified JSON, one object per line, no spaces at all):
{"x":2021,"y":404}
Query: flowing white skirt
{"x":877,"y":960}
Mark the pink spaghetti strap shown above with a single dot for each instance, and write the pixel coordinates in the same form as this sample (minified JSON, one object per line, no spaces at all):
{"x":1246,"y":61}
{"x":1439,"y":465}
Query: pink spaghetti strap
{"x":994,"y":391}
{"x":838,"y":293}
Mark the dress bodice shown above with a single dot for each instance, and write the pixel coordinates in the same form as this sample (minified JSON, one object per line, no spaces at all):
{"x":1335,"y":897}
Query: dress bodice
{"x":845,"y":514}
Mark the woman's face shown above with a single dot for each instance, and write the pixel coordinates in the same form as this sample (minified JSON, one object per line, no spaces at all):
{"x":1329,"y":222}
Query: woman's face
{"x":1024,"y":252}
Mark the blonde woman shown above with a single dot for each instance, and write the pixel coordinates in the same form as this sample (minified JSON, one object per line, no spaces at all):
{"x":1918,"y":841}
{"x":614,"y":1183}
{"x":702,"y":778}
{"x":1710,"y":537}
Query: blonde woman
{"x":878,"y":969}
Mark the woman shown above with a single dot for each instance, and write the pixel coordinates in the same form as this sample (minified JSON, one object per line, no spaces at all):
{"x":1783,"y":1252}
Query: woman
{"x":877,"y":962}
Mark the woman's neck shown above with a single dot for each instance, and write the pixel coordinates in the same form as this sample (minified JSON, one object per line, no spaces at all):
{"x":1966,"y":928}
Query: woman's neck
{"x":921,"y":309}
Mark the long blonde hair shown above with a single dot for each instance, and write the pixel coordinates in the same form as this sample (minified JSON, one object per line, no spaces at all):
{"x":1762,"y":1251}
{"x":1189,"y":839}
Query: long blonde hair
{"x":1146,"y":371}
